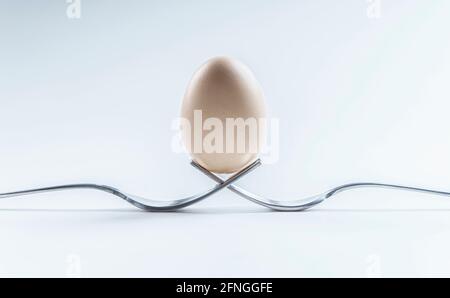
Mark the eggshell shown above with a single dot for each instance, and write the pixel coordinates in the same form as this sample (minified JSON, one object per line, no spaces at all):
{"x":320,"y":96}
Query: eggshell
{"x":223,"y":89}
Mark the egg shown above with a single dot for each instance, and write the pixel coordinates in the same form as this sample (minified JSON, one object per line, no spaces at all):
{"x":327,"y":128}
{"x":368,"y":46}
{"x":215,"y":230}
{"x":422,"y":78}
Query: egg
{"x":223,"y":116}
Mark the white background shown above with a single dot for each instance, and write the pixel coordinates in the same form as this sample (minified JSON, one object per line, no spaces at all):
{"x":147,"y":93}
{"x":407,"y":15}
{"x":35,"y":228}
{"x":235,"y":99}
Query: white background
{"x":359,"y":98}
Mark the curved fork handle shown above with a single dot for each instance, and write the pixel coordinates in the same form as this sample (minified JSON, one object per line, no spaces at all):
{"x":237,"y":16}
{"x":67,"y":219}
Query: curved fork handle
{"x":143,"y":203}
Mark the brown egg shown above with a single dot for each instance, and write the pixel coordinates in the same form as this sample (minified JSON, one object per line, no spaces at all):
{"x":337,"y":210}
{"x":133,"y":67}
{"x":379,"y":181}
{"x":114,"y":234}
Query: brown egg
{"x":223,"y":116}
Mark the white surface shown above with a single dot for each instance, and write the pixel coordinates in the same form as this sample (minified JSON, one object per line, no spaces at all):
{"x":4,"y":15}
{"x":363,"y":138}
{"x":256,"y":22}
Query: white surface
{"x":227,"y":238}
{"x":92,"y":100}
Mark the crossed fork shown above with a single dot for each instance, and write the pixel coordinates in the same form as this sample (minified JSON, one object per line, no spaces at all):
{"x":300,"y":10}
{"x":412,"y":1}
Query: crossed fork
{"x":278,"y":205}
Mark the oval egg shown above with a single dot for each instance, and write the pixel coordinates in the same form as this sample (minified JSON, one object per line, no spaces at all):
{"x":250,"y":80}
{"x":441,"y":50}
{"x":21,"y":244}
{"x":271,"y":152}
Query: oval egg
{"x":223,"y":116}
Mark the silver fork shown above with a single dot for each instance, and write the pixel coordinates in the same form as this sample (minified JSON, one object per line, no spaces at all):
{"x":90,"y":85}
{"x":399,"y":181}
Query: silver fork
{"x":278,"y":205}
{"x":143,"y":203}
{"x":304,"y":204}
